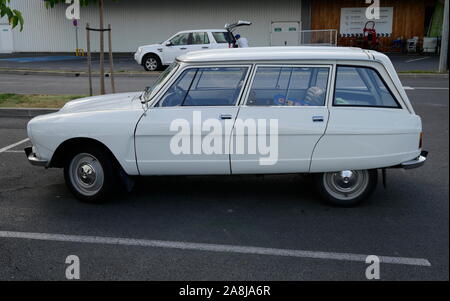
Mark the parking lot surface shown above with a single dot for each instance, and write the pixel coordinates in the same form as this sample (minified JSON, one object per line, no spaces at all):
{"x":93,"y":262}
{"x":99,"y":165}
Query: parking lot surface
{"x":126,"y":62}
{"x":229,"y":228}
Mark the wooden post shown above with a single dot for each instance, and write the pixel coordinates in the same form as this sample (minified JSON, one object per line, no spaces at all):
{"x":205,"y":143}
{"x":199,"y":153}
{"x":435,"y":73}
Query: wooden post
{"x":102,"y":49}
{"x":443,"y":61}
{"x":89,"y":58}
{"x":111,"y":60}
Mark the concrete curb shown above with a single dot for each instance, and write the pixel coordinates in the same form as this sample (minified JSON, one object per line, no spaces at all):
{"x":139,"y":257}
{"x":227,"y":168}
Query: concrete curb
{"x":25,"y":112}
{"x":75,"y":73}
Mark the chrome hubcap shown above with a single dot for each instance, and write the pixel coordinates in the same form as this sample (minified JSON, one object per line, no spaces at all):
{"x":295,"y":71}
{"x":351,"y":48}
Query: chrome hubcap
{"x":86,"y":174}
{"x":346,"y":185}
{"x":151,"y":64}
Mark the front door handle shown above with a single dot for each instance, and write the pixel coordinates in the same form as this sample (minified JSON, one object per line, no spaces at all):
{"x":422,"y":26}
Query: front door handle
{"x":226,"y":116}
{"x":318,"y":119}
{"x":183,"y":48}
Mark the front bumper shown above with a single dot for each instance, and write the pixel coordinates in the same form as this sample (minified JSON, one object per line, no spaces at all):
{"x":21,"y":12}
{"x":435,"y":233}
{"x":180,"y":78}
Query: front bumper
{"x":138,"y":58}
{"x":415,"y":163}
{"x":33,"y":159}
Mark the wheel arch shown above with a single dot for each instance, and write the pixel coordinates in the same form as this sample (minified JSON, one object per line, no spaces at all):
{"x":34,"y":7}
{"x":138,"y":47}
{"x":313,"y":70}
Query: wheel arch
{"x":151,"y":54}
{"x":64,"y":150}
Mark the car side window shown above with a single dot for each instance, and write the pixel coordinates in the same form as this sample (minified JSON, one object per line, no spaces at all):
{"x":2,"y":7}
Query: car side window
{"x":289,"y":86}
{"x":200,"y":38}
{"x":206,"y":87}
{"x":180,"y":40}
{"x":362,"y":87}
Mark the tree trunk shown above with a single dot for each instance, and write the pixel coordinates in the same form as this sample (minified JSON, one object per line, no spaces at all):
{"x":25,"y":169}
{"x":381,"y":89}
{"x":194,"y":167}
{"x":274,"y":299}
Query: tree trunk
{"x":102,"y":49}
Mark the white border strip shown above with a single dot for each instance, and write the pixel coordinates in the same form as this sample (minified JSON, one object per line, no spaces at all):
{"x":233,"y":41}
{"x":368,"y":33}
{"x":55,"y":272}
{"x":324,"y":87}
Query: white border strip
{"x":211,"y":248}
{"x":13,"y":145}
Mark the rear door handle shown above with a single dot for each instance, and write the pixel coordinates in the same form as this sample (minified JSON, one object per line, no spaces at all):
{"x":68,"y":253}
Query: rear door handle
{"x":205,"y":47}
{"x":318,"y":119}
{"x":226,"y":116}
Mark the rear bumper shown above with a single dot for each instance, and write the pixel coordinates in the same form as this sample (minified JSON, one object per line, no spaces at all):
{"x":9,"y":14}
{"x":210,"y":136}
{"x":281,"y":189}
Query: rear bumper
{"x":415,"y":163}
{"x":33,"y":159}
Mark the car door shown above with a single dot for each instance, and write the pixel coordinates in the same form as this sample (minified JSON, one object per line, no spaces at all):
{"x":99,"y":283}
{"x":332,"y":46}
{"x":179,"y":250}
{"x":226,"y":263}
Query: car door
{"x":199,"y":41}
{"x":288,"y":106}
{"x":188,"y":128}
{"x":370,"y":126}
{"x":176,"y":46}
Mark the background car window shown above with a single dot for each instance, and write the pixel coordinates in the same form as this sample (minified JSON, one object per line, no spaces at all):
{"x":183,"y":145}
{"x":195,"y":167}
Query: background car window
{"x":289,"y":86}
{"x":181,"y":39}
{"x":223,"y":37}
{"x":206,"y":87}
{"x":362,"y":86}
{"x":199,"y":38}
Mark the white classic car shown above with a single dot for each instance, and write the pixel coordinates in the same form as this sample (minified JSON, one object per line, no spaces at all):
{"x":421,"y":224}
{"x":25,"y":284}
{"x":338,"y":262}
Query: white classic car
{"x":154,"y":57}
{"x":340,"y":114}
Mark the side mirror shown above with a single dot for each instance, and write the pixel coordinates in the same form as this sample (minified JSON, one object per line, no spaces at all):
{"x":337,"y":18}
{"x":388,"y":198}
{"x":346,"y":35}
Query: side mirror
{"x":168,"y":44}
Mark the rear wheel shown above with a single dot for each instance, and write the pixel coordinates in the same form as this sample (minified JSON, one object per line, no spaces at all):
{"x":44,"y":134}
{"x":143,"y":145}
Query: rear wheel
{"x":89,"y":174}
{"x":346,"y":188}
{"x":152,"y":62}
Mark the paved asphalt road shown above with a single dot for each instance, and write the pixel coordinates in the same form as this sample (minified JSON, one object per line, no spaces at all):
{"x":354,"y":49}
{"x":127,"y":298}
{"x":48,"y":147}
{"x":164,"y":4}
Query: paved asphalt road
{"x":409,"y":219}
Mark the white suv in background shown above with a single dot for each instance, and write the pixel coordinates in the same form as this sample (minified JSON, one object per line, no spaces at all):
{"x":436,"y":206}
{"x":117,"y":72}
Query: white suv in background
{"x":154,"y":57}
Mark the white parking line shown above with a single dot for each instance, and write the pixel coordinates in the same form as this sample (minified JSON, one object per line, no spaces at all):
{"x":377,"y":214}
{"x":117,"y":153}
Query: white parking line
{"x":424,"y":88}
{"x":2,"y":150}
{"x":419,"y":59}
{"x":211,"y":247}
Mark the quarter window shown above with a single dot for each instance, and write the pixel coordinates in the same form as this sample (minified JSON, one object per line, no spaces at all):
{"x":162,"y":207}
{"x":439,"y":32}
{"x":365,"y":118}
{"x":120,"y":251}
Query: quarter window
{"x":289,"y":86}
{"x":362,"y":87}
{"x":206,"y":87}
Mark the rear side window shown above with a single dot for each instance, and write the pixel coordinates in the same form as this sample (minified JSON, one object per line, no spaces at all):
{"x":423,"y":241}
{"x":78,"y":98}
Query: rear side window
{"x":223,"y":37}
{"x":362,"y":87}
{"x":289,"y":86}
{"x":199,"y":38}
{"x":206,"y":87}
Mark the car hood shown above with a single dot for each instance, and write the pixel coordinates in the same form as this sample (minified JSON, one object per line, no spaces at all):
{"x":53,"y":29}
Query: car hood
{"x":120,"y":101}
{"x":152,"y":46}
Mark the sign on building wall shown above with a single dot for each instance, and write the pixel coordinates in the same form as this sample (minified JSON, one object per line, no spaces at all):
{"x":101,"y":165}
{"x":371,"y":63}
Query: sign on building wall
{"x":353,"y":20}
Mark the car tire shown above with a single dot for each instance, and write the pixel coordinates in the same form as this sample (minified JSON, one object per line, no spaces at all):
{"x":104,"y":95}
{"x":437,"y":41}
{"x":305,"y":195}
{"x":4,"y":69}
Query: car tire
{"x":90,"y":174}
{"x":346,"y":188}
{"x":152,"y":62}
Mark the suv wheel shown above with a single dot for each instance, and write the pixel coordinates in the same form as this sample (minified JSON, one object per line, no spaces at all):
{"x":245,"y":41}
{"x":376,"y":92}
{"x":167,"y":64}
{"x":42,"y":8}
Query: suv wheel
{"x":346,"y":188}
{"x":152,"y":63}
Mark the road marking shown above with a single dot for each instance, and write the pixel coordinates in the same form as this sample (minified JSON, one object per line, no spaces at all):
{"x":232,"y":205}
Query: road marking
{"x":211,"y":247}
{"x":2,"y":150}
{"x":419,"y":59}
{"x":424,"y":88}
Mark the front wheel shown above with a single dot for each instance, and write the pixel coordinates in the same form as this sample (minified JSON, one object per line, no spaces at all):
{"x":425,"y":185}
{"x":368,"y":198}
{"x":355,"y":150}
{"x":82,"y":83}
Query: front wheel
{"x":346,"y":188}
{"x":89,"y":174}
{"x":152,"y":63}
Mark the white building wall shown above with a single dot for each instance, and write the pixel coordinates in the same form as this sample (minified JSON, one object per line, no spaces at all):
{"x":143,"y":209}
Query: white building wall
{"x":141,"y":22}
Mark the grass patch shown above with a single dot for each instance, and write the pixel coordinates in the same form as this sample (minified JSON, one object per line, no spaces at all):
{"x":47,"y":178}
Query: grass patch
{"x":35,"y":101}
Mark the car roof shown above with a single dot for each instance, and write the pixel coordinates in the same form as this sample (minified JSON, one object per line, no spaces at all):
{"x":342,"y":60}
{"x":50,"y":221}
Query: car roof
{"x":203,"y":30}
{"x":277,"y":53}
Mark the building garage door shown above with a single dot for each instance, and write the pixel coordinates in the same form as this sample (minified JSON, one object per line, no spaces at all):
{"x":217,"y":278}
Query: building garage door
{"x":285,"y":34}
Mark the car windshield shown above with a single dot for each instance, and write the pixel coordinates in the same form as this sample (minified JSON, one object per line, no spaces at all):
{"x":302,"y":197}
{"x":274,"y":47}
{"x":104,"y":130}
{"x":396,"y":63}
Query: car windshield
{"x":152,"y":90}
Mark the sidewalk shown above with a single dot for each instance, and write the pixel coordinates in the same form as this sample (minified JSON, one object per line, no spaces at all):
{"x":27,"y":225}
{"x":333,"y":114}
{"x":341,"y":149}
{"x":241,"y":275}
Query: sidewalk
{"x":67,"y":63}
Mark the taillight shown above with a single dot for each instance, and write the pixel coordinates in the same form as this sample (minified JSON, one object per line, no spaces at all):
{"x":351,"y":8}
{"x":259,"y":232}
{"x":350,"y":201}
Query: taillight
{"x":421,"y":141}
